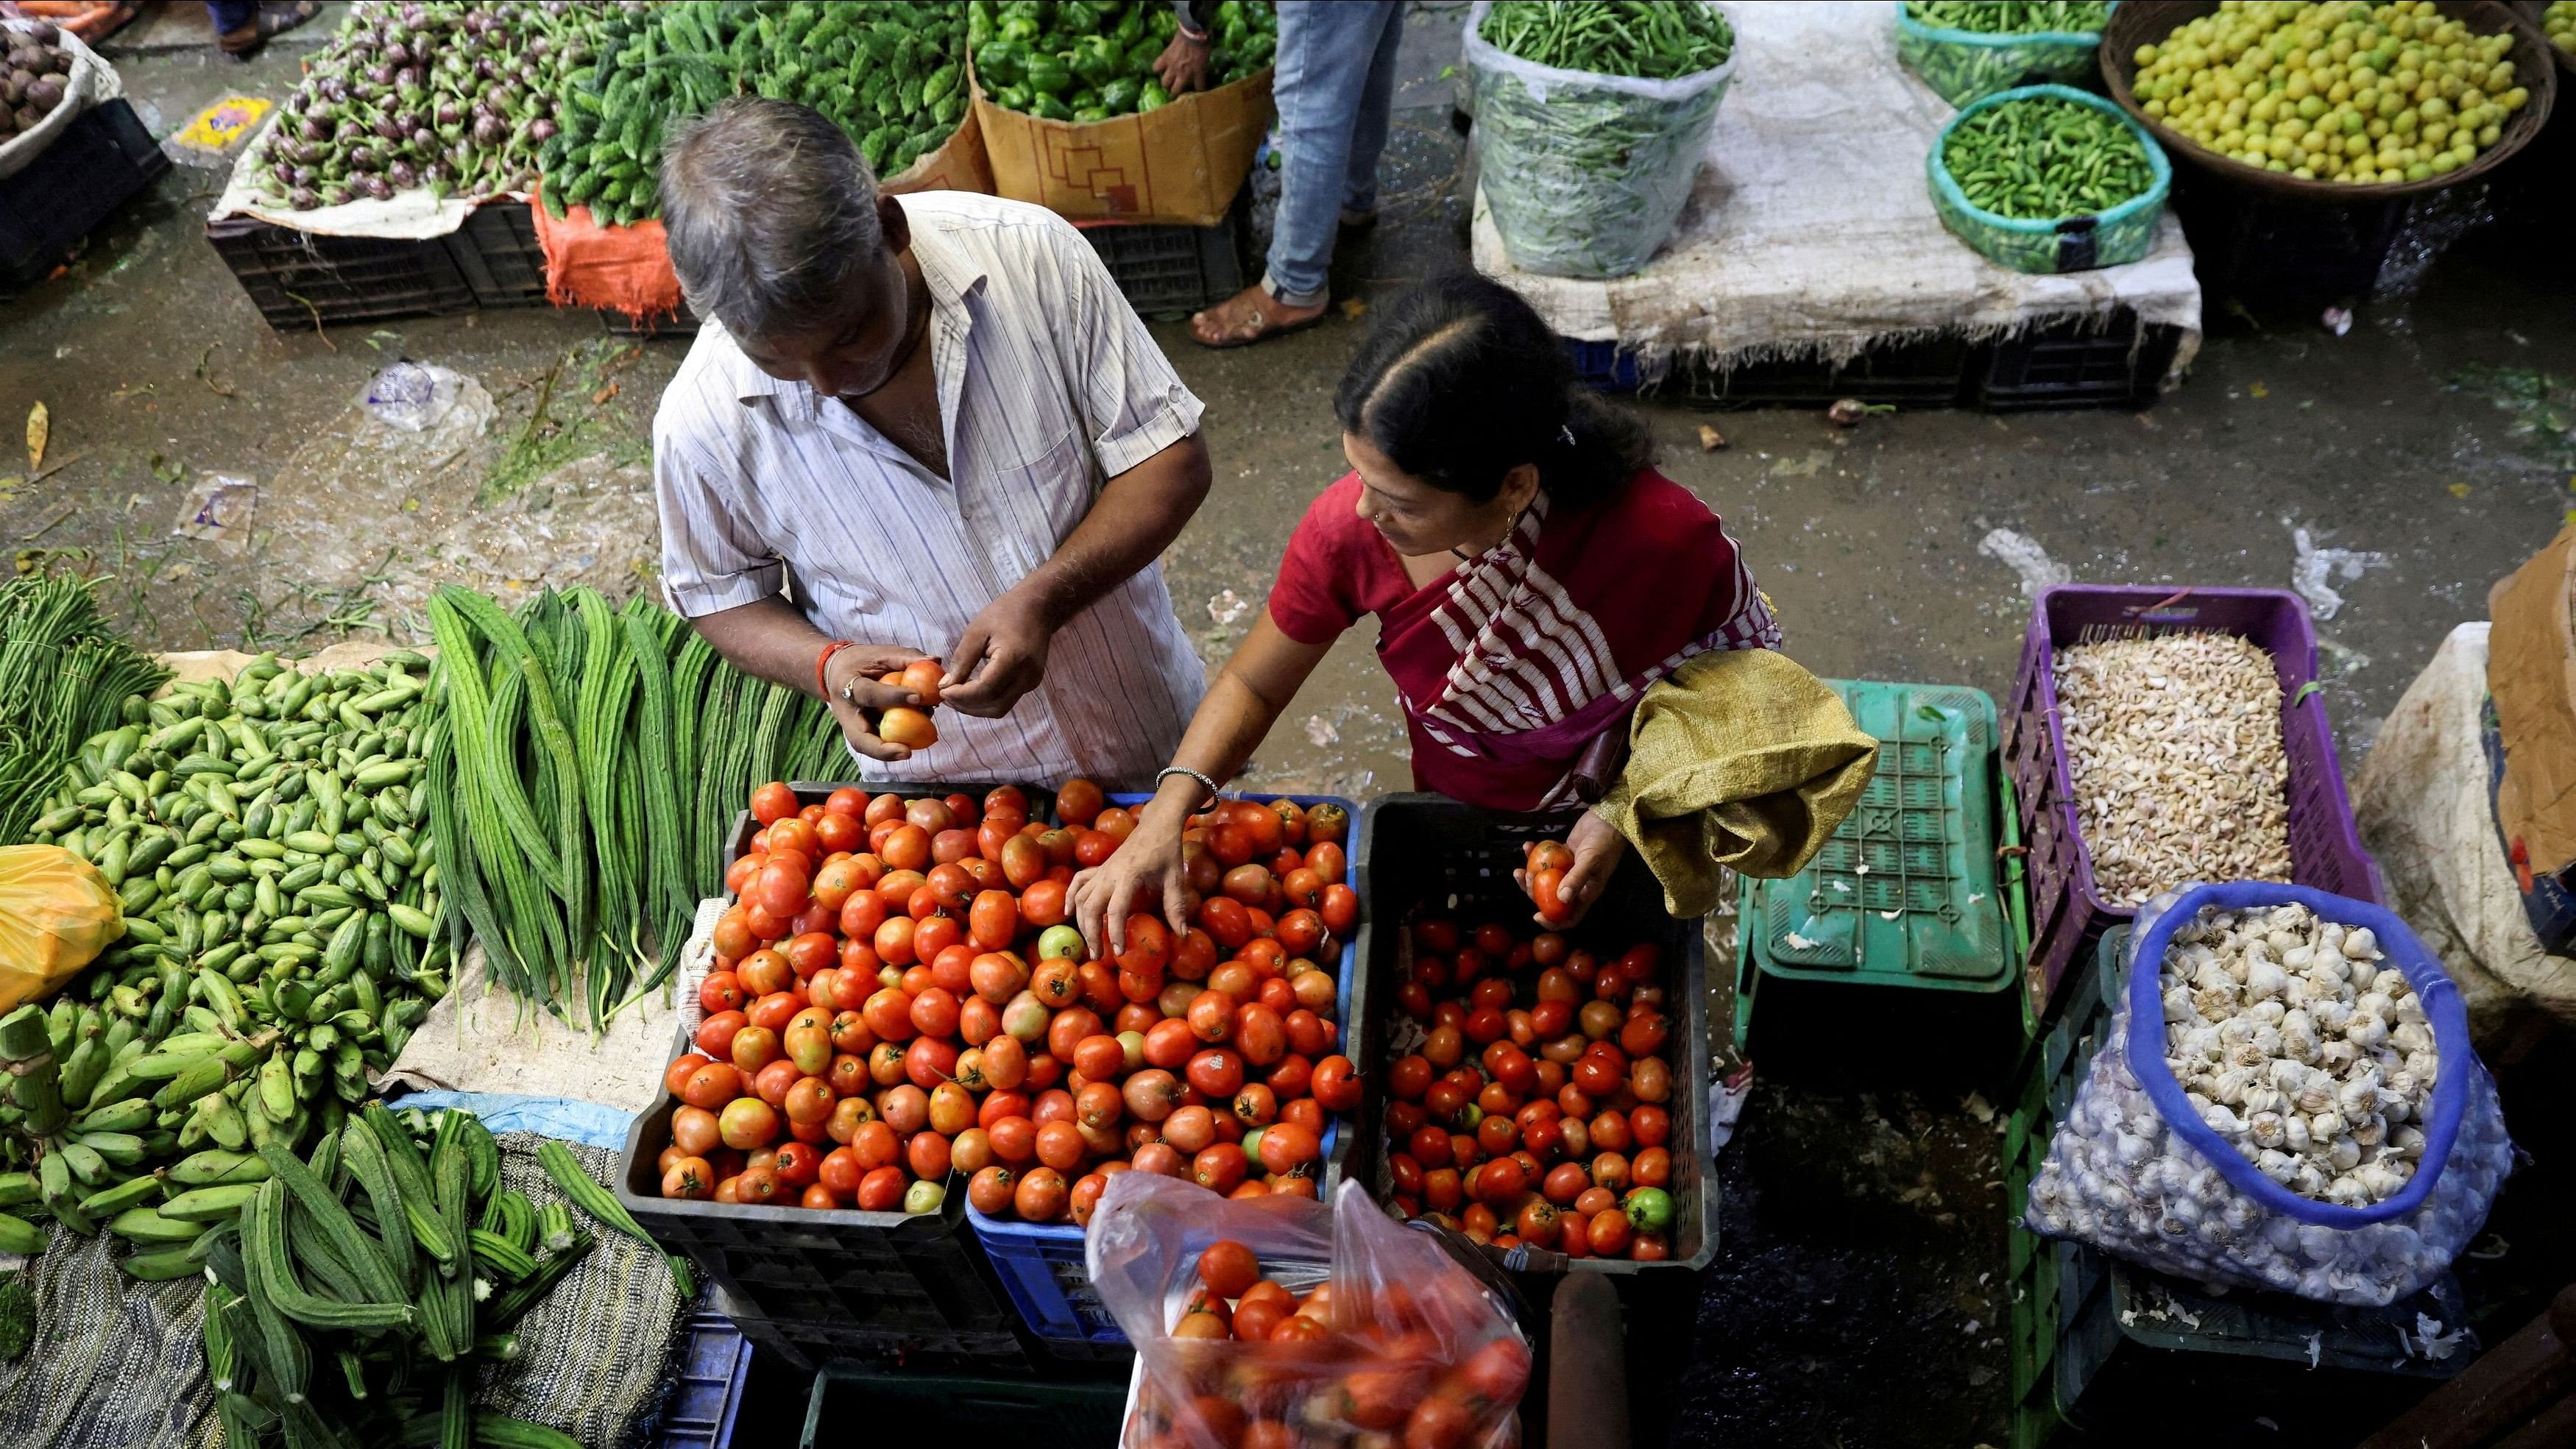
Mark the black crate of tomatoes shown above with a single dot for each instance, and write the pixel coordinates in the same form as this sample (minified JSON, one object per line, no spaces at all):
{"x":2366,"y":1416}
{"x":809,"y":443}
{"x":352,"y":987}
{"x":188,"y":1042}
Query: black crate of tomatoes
{"x":1539,"y":1086}
{"x":902,"y":1016}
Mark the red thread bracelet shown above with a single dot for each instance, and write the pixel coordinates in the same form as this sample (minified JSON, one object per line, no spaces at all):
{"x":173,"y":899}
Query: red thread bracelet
{"x":822,"y":683}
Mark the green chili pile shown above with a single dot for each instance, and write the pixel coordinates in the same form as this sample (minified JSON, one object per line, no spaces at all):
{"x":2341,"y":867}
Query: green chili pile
{"x":2043,"y":159}
{"x":2012,"y":17}
{"x":1612,"y":37}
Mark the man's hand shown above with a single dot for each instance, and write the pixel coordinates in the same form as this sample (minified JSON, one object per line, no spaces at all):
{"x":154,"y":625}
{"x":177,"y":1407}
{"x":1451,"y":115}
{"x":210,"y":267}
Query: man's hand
{"x":1183,"y":65}
{"x":1001,"y":656}
{"x":856,"y":669}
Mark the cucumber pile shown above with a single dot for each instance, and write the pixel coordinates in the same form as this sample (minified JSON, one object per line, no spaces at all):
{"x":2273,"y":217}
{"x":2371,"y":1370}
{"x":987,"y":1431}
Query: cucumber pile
{"x":280,"y":891}
{"x":892,"y":75}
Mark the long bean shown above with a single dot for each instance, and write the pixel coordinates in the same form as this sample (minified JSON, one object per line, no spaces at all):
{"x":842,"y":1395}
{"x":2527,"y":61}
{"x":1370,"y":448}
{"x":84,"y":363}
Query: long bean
{"x":2044,"y":159}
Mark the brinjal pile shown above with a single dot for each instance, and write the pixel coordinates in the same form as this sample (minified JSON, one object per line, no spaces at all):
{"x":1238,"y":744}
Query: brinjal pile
{"x":454,"y":98}
{"x":34,"y":76}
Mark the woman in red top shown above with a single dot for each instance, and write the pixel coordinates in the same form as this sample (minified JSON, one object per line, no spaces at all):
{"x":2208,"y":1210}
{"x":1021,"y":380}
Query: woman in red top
{"x":1529,"y":570}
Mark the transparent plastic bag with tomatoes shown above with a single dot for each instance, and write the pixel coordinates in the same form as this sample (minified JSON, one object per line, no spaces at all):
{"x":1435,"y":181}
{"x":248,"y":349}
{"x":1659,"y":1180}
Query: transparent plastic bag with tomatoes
{"x":1366,"y":1333}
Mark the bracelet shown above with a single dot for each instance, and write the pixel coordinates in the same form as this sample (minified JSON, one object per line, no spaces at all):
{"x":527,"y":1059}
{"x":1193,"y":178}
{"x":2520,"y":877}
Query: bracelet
{"x":1194,"y":37}
{"x":822,"y":683}
{"x":1213,"y":794}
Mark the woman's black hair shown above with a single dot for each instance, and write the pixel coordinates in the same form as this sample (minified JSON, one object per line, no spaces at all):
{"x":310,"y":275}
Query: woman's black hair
{"x":1459,"y":382}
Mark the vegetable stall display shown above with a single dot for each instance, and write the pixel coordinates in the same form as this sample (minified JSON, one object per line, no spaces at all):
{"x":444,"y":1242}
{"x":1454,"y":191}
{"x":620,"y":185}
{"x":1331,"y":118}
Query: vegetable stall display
{"x":1088,"y":60}
{"x":875,"y":1029}
{"x":1528,"y":1088}
{"x":892,"y":75}
{"x":1966,"y":50}
{"x":454,"y":99}
{"x":1593,"y":118}
{"x":281,"y":913}
{"x":2344,"y":93}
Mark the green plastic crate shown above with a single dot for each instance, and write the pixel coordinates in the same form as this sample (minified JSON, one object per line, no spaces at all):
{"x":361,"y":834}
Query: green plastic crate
{"x":855,"y":1404}
{"x":1905,"y":893}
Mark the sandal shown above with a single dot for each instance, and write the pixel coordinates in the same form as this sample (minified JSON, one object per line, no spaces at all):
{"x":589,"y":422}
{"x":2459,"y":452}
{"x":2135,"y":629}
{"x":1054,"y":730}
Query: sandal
{"x":271,"y":21}
{"x":1247,"y":317}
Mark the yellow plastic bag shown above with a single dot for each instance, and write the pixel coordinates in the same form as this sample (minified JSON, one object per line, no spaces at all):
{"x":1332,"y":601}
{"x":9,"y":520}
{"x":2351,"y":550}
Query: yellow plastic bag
{"x":56,"y":913}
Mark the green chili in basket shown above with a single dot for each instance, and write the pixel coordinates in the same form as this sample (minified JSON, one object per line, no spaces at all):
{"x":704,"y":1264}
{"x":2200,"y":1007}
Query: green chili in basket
{"x":2012,"y":17}
{"x":2044,"y":159}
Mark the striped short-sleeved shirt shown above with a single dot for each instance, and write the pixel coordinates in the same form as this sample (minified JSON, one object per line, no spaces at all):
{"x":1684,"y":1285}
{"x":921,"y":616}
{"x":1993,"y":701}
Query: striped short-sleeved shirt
{"x":1048,"y":385}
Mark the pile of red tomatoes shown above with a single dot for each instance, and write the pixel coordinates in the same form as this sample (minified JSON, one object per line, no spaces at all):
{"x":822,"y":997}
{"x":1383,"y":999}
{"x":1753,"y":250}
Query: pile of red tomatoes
{"x":1534,"y":1104}
{"x":899,"y":1002}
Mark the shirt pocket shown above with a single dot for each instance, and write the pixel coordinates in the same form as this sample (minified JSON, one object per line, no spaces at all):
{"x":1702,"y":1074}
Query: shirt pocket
{"x":1021,"y":510}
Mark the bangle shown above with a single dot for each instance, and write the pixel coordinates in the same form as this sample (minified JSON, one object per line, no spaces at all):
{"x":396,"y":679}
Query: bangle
{"x":1194,"y":37}
{"x":822,"y":683}
{"x":1213,"y":794}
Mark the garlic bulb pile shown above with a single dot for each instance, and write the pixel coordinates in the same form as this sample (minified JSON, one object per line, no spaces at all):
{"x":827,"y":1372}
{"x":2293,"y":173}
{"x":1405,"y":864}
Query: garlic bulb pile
{"x":2293,"y":1042}
{"x":2173,"y":745}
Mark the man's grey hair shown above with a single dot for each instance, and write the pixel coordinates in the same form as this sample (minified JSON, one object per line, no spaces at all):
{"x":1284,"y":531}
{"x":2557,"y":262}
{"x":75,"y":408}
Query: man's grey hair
{"x":771,"y":213}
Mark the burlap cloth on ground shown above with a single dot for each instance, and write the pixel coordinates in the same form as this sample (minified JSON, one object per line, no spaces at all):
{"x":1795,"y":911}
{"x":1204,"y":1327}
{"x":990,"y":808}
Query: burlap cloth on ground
{"x":118,"y":1364}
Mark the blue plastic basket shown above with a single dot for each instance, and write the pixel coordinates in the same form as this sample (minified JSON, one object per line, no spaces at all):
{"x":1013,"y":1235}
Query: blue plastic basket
{"x":1964,"y":66}
{"x":707,"y":1392}
{"x":2125,"y":233}
{"x":1042,"y":1266}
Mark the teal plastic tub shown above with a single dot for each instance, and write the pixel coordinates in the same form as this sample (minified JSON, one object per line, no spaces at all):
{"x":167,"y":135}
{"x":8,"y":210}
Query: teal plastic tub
{"x":2111,"y":238}
{"x":1965,"y":66}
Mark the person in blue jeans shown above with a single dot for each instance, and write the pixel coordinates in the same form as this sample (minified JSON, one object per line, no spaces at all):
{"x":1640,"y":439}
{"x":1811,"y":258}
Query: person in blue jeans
{"x":243,"y":26}
{"x":1336,"y":92}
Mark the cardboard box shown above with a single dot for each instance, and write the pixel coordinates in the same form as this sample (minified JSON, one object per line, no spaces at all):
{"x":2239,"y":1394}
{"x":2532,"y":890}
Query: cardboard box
{"x":2531,"y":672}
{"x":958,"y":165}
{"x":1178,"y":164}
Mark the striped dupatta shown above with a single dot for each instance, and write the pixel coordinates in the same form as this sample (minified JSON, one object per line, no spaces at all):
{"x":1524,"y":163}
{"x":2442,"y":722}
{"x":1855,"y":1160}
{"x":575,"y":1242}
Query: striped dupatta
{"x":1512,"y":664}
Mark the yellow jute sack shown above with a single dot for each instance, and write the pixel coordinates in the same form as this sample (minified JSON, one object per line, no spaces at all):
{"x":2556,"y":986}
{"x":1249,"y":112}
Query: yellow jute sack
{"x":56,"y":913}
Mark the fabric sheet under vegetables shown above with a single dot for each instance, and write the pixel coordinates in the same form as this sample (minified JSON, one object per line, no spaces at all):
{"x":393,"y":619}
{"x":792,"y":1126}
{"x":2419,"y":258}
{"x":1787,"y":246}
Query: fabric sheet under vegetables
{"x":2146,"y":1169}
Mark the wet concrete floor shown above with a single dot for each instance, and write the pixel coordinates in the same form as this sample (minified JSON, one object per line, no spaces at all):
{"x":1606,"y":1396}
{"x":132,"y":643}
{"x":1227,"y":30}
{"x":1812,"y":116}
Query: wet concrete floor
{"x":1858,"y":1296}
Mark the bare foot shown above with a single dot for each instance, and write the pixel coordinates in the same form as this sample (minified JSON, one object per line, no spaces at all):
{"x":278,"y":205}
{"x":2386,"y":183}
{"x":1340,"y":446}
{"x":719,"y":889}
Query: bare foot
{"x":1249,"y":316}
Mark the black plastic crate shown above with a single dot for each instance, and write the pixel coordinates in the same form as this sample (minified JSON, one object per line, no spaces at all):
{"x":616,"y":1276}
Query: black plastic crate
{"x":918,"y":1408}
{"x":1426,"y":848}
{"x":848,"y":1282}
{"x":712,"y":1365}
{"x":1926,"y":372}
{"x":1172,"y":271}
{"x":99,"y":161}
{"x":805,"y":1344}
{"x":498,"y":254}
{"x":2076,"y":363}
{"x":303,"y":279}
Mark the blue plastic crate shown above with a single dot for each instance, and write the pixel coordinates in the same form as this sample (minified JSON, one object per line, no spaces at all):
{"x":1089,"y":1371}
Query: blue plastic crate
{"x":707,"y":1393}
{"x":1041,"y":1265}
{"x":1609,"y":367}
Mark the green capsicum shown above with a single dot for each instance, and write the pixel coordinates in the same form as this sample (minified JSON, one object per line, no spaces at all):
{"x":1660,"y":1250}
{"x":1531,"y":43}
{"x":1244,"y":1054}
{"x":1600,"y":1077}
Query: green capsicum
{"x":1047,"y":74}
{"x":1095,"y":60}
{"x":1118,"y":96}
{"x":1152,"y":97}
{"x":1047,"y":108}
{"x":1012,"y":98}
{"x":1001,"y":63}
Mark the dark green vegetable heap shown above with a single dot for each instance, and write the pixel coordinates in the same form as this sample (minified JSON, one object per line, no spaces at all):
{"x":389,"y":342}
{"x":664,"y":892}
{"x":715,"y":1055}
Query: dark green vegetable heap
{"x":2045,"y":159}
{"x":591,"y":766}
{"x":1088,"y":60}
{"x":354,"y":1296}
{"x":454,"y":98}
{"x":1612,"y":37}
{"x":279,"y":891}
{"x":2012,"y":17}
{"x":891,"y":74}
{"x":63,"y":678}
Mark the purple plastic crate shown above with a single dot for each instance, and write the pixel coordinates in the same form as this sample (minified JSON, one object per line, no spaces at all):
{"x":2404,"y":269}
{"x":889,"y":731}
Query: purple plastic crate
{"x":2068,"y":914}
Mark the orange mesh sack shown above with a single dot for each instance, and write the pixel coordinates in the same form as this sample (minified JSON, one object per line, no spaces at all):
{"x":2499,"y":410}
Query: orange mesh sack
{"x":1406,"y":1344}
{"x":56,"y":913}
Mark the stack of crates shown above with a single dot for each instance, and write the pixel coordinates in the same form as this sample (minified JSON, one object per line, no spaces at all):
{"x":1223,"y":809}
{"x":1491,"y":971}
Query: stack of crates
{"x":1911,"y":890}
{"x":2098,"y":1343}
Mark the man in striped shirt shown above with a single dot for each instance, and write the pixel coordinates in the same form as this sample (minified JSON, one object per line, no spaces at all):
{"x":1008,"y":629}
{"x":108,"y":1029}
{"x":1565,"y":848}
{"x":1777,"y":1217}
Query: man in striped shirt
{"x":934,"y":422}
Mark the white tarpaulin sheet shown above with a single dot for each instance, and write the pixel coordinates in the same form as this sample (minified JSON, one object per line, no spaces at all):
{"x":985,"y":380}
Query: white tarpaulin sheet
{"x":1810,"y":232}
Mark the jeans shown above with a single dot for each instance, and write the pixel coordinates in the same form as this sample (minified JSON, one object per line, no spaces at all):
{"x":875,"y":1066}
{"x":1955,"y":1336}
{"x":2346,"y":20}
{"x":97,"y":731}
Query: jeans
{"x":232,"y":15}
{"x":1336,"y":91}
